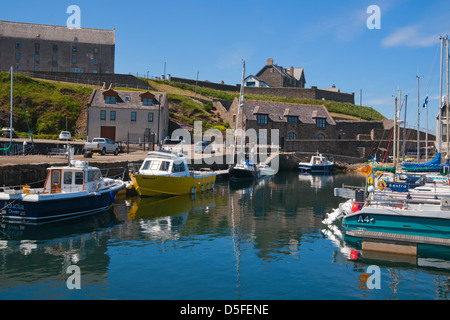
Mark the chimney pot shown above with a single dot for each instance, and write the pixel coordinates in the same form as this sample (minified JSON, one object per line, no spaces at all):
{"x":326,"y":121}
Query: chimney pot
{"x":269,"y":61}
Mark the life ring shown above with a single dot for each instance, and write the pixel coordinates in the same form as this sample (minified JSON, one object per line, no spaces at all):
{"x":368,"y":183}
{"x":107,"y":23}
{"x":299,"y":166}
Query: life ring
{"x":366,"y":170}
{"x":378,"y":174}
{"x":370,"y":180}
{"x":382,"y":184}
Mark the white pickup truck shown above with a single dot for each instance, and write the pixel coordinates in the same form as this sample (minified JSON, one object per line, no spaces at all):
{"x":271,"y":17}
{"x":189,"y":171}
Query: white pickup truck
{"x":102,"y":145}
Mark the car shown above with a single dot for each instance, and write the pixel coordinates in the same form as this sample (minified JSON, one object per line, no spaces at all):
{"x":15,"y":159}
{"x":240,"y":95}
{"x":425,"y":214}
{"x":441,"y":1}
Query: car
{"x":201,"y":146}
{"x":65,"y":135}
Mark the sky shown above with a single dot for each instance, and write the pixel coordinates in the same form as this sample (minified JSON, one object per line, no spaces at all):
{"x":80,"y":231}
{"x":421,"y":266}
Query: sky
{"x":345,"y":43}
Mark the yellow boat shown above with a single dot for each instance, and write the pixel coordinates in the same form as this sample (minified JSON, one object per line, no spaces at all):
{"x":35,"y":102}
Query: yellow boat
{"x":165,"y":173}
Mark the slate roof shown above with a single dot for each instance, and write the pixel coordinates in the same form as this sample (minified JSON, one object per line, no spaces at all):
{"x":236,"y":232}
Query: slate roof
{"x":278,"y":112}
{"x":56,"y":33}
{"x":132,"y":102}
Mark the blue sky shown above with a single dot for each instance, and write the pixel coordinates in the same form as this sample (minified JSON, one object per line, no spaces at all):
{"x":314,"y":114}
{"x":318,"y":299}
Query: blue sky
{"x":329,"y":39}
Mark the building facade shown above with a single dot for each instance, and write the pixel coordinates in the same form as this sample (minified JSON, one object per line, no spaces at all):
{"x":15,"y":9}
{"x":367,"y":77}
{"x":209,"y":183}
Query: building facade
{"x":37,"y":47}
{"x":279,"y":77}
{"x":127,"y":115}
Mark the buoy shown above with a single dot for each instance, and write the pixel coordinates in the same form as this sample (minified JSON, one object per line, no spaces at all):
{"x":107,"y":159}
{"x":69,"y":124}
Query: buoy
{"x":366,"y":170}
{"x":356,"y":207}
{"x":382,"y":184}
{"x":354,"y":254}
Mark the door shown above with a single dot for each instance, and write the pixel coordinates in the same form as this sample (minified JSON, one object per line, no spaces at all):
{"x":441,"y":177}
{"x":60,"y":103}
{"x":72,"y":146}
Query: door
{"x":56,"y":181}
{"x":108,"y":132}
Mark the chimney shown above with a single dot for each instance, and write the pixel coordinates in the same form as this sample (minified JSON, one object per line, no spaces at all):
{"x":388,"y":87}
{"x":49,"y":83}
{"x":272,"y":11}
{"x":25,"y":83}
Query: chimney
{"x":291,"y":71}
{"x":269,"y":61}
{"x":333,"y":86}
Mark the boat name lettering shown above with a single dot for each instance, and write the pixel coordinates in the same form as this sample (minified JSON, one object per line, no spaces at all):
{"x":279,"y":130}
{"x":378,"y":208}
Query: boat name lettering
{"x":14,"y":206}
{"x":364,"y":219}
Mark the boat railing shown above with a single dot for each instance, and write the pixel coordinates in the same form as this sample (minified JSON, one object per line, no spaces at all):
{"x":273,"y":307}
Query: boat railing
{"x":118,"y":172}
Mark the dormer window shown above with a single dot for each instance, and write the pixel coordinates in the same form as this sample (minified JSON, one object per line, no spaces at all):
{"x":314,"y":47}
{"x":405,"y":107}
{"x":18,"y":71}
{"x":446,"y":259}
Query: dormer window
{"x":147,"y":98}
{"x":292,"y":119}
{"x":111,"y":97}
{"x":147,"y":101}
{"x":110,"y":100}
{"x":321,"y":123}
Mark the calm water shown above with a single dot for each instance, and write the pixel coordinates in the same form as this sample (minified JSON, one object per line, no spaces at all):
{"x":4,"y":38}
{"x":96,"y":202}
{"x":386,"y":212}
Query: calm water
{"x":245,"y":241}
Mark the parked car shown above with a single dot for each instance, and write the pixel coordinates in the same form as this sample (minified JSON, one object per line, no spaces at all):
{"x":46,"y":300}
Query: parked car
{"x":102,"y":145}
{"x":201,"y":146}
{"x":65,"y":135}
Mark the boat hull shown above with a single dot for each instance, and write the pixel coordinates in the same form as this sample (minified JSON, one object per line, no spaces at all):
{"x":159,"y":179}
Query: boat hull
{"x":237,"y":174}
{"x":157,"y":186}
{"x":316,"y":167}
{"x":48,"y":209}
{"x":399,"y":225}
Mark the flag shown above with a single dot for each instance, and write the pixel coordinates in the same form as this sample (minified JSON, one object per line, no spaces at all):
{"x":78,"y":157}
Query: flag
{"x":425,"y":104}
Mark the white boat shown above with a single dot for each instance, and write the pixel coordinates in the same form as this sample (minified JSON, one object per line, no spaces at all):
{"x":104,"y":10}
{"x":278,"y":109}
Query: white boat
{"x":69,"y":191}
{"x":266,"y":170}
{"x":318,"y":163}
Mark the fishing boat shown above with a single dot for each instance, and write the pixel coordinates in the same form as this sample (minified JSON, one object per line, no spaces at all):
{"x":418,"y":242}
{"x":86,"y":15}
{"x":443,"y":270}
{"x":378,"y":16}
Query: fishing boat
{"x":165,"y":173}
{"x":266,"y":170}
{"x":70,"y":191}
{"x":318,"y":163}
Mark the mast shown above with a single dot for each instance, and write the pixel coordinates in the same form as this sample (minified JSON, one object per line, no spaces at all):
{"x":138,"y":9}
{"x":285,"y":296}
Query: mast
{"x":446,"y":103}
{"x":240,"y":103}
{"x":11,"y":112}
{"x":404,"y":129}
{"x":395,"y":133}
{"x":418,"y":121}
{"x":440,"y":99}
{"x":398,"y":126}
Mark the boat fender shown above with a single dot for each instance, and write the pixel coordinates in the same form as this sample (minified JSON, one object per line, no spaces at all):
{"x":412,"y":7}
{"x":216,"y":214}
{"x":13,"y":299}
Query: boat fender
{"x":357,"y":207}
{"x":98,"y":185}
{"x":382,"y":184}
{"x":366,"y":170}
{"x":112,"y":196}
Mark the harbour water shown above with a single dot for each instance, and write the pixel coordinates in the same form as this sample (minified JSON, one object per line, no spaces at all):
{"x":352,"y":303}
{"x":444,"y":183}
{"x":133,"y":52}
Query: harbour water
{"x":252,"y":241}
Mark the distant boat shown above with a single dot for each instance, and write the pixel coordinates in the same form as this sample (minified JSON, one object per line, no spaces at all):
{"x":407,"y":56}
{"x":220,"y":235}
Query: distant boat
{"x":69,"y":191}
{"x":245,"y":170}
{"x":318,"y":163}
{"x":165,"y":173}
{"x":266,"y":170}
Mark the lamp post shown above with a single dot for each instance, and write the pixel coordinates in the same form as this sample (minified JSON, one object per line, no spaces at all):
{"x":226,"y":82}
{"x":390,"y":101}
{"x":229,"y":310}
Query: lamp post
{"x":159,"y":115}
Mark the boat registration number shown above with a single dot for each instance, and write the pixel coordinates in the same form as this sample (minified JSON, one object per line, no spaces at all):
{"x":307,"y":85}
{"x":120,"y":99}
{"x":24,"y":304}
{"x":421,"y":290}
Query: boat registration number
{"x":364,"y":219}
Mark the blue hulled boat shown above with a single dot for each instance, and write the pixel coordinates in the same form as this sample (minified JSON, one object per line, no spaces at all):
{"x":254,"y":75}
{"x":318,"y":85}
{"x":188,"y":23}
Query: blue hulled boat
{"x":69,"y":191}
{"x":318,"y":163}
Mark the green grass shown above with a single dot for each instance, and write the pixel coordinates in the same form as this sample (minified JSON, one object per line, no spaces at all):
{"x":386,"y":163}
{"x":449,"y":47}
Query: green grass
{"x":367,"y":113}
{"x":47,"y":104}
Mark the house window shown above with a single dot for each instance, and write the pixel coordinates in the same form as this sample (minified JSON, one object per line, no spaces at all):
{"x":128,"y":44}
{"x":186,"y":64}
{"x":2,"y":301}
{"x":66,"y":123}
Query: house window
{"x":133,"y":116}
{"x":95,"y":50}
{"x":55,"y":58}
{"x":251,"y":84}
{"x":78,"y":70}
{"x":36,"y":57}
{"x":36,"y":68}
{"x":36,"y":48}
{"x":95,"y":61}
{"x":17,"y":67}
{"x":17,"y":44}
{"x":74,"y":49}
{"x":292,"y":119}
{"x":150,"y":117}
{"x":55,"y":47}
{"x":110,"y":100}
{"x":102,"y":114}
{"x":17,"y":56}
{"x":262,"y":119}
{"x":54,"y":69}
{"x":321,"y":123}
{"x":292,"y":136}
{"x":147,"y":101}
{"x":320,"y":136}
{"x":74,"y":60}
{"x":112,"y":115}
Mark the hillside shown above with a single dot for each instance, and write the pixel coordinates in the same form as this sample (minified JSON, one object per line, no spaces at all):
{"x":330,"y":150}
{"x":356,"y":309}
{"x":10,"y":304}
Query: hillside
{"x":50,"y":105}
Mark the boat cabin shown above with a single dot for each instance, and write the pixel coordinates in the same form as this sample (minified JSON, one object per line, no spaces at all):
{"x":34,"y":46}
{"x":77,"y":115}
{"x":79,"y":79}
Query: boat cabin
{"x":76,"y":177}
{"x":165,"y":163}
{"x":319,"y":159}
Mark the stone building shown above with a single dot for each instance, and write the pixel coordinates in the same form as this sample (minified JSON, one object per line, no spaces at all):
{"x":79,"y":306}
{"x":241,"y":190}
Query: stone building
{"x":294,"y":121}
{"x":279,"y":77}
{"x":127,"y":115}
{"x":37,"y":47}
